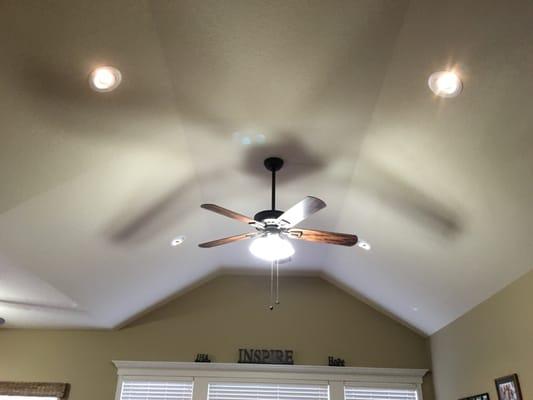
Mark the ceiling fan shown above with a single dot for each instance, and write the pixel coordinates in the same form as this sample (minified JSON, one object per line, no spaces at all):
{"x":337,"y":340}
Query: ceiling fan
{"x":273,"y":227}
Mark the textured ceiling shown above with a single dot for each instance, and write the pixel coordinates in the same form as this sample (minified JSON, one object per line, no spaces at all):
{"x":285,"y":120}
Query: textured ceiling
{"x":95,"y":186}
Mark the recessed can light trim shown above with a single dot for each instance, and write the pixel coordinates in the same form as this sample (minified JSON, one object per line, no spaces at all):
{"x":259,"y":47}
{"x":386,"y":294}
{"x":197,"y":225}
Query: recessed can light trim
{"x":105,"y":79}
{"x":364,"y":245}
{"x":177,"y":240}
{"x":445,"y":84}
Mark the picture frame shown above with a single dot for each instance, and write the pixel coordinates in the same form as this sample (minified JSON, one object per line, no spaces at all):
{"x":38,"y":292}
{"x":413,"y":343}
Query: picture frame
{"x":508,"y":387}
{"x":482,"y":396}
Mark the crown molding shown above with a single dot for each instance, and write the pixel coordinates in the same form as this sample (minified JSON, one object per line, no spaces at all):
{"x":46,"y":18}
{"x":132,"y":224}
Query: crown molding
{"x":268,"y":371}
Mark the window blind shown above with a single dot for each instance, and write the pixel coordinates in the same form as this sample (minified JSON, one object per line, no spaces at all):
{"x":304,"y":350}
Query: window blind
{"x":156,"y":390}
{"x":266,"y":391}
{"x":360,"y":393}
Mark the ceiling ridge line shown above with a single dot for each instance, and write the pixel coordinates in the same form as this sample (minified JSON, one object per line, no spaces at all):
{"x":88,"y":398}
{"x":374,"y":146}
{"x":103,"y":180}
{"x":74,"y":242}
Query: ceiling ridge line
{"x":365,"y":136}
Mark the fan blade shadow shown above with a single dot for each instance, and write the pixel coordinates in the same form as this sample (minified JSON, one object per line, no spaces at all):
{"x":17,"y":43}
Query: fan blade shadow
{"x":164,"y":212}
{"x":159,"y":215}
{"x":416,"y":204}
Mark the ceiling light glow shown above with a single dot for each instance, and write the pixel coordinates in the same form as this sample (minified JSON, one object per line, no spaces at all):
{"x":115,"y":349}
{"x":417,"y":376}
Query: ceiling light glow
{"x":177,"y":241}
{"x":105,"y":79}
{"x":271,"y":247}
{"x":445,"y":83}
{"x":364,"y":245}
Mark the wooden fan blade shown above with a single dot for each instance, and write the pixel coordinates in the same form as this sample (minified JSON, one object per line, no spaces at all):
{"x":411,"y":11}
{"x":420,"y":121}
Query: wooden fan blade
{"x":300,"y":211}
{"x":343,"y":239}
{"x":228,"y":213}
{"x":231,"y":239}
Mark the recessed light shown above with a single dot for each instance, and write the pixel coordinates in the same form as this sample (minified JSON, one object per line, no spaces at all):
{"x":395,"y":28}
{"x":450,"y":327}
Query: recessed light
{"x":445,"y":83}
{"x":364,"y":245}
{"x":105,"y":79}
{"x":177,"y":240}
{"x":415,"y":309}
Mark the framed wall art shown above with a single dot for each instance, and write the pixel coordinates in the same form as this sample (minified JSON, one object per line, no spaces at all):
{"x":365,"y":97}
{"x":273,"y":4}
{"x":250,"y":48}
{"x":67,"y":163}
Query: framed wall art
{"x":508,"y":388}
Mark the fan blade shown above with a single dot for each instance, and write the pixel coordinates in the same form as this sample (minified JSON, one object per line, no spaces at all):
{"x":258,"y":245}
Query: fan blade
{"x":231,"y":239}
{"x":230,"y":214}
{"x":302,"y":210}
{"x":311,"y":235}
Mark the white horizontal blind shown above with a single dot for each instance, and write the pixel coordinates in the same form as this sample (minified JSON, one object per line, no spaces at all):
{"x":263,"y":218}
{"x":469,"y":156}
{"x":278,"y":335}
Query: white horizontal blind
{"x":266,"y":391}
{"x":361,"y":393}
{"x":156,"y":390}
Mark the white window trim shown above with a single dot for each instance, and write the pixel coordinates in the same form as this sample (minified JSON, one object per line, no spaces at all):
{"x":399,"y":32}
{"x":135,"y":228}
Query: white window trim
{"x":202,"y":373}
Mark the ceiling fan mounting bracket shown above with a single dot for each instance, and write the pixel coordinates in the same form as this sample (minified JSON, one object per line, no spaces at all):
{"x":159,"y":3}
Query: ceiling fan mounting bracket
{"x":273,"y":163}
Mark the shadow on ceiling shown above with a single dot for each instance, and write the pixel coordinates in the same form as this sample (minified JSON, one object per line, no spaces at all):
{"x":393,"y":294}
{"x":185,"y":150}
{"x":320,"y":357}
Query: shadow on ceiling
{"x":162,"y":214}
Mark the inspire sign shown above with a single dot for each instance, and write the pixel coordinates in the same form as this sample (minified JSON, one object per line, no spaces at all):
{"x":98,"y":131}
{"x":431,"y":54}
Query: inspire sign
{"x":262,"y":356}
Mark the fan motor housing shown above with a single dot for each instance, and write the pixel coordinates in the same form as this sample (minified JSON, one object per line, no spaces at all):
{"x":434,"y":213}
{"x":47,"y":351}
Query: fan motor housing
{"x":267,"y":214}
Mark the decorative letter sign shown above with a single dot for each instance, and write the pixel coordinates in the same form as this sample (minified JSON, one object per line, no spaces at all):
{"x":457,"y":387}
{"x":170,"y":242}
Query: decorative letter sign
{"x":201,"y":357}
{"x":335,"y":362}
{"x":255,"y":356}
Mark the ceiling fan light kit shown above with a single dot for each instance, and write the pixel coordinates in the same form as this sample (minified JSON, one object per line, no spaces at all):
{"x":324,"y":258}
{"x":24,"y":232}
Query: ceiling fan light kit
{"x":271,"y":248}
{"x":274,"y":228}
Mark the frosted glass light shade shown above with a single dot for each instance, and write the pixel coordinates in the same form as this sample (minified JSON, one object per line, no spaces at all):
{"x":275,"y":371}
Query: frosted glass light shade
{"x":271,"y":247}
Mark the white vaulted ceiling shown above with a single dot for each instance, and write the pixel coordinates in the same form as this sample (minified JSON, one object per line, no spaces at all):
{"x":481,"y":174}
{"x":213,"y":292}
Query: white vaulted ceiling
{"x":95,"y":186}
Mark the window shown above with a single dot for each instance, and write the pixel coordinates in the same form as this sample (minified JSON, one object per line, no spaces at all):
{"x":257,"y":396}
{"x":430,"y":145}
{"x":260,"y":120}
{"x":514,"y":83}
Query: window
{"x":267,"y":391}
{"x":6,"y":397}
{"x":362,"y":393}
{"x":156,"y":390}
{"x":154,"y":380}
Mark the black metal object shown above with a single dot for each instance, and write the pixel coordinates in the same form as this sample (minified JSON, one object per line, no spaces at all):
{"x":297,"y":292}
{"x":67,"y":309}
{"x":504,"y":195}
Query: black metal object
{"x":201,"y":357}
{"x":267,"y":214}
{"x":335,"y":362}
{"x":273,"y":164}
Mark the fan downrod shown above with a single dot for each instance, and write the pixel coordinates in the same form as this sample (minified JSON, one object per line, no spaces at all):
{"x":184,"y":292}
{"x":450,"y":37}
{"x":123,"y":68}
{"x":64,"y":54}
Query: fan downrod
{"x":273,"y":164}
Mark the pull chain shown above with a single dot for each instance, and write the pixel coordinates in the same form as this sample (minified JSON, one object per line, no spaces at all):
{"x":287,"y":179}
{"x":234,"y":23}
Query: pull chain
{"x":271,"y":306}
{"x":274,"y":263}
{"x":277,"y":281}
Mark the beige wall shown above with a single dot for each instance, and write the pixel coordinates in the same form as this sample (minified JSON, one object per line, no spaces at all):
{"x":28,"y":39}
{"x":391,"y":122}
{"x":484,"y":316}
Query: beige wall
{"x":492,"y":340}
{"x":315,"y":319}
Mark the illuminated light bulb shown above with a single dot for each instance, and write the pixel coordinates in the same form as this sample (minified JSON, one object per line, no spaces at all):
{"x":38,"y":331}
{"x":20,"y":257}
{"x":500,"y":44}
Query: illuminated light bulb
{"x":271,"y":247}
{"x":445,"y":84}
{"x":105,"y":79}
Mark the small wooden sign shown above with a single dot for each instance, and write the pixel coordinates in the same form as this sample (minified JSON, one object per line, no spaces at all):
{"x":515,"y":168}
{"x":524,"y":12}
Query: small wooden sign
{"x":263,"y":356}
